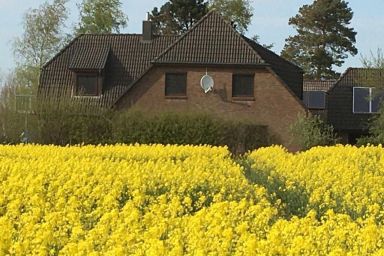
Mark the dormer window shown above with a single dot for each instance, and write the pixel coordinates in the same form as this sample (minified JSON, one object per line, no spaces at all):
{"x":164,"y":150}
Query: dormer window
{"x":88,"y":65}
{"x":88,"y":84}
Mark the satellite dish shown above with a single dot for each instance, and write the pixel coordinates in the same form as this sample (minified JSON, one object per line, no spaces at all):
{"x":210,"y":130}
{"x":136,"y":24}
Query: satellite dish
{"x":207,"y":83}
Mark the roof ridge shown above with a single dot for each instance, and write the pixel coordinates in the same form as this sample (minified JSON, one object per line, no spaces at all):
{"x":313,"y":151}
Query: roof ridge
{"x":197,"y":24}
{"x":241,"y":36}
{"x":184,"y":35}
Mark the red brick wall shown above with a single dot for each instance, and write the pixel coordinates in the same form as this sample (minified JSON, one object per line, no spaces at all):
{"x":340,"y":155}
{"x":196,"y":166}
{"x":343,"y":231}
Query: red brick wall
{"x":273,"y":105}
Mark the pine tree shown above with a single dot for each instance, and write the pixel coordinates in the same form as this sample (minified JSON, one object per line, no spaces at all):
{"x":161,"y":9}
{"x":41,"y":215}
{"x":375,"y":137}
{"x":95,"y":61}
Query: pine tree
{"x":177,"y":16}
{"x":323,"y":38}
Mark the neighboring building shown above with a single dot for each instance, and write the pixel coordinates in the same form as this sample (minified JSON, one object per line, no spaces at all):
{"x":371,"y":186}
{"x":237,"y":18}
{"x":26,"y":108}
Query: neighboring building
{"x":315,"y":96}
{"x":163,"y":73}
{"x":353,"y":101}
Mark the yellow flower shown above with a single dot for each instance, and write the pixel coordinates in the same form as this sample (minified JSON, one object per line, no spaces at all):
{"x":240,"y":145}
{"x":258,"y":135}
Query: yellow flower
{"x":190,"y":200}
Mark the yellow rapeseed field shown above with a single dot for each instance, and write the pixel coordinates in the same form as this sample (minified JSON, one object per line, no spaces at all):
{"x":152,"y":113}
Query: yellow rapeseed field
{"x":190,"y":200}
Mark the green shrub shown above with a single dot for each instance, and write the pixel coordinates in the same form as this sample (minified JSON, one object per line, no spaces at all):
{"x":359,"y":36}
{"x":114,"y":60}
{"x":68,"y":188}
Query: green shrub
{"x":67,"y":123}
{"x":16,"y":127}
{"x":310,"y":131}
{"x":376,"y":130}
{"x":196,"y":129}
{"x":70,"y":123}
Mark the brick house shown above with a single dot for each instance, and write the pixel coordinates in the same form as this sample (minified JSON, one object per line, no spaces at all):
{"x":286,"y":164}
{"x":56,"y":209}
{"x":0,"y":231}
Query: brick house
{"x":163,"y":73}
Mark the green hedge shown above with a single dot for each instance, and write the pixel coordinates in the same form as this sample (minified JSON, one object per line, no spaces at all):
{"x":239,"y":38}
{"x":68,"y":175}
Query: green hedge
{"x":69,"y":124}
{"x":65,"y":125}
{"x":195,"y":129}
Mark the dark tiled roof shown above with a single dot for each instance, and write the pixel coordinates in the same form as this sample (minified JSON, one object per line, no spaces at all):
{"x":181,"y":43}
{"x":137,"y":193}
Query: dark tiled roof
{"x":362,"y":77}
{"x":291,"y":74}
{"x":318,"y":85}
{"x":128,"y":58}
{"x":210,"y":41}
{"x":90,"y":55}
{"x":340,"y":98}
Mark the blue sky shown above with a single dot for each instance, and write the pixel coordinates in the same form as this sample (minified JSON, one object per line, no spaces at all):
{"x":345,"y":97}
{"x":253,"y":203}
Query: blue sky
{"x":270,"y":22}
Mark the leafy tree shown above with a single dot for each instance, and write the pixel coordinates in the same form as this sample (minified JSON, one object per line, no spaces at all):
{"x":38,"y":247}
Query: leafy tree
{"x":177,"y":16}
{"x":239,"y":12}
{"x":374,"y":61}
{"x":374,"y":70}
{"x":162,"y":20}
{"x":1,"y":78}
{"x":101,"y":16}
{"x":43,"y":37}
{"x":12,"y":122}
{"x":323,"y":38}
{"x":311,"y":131}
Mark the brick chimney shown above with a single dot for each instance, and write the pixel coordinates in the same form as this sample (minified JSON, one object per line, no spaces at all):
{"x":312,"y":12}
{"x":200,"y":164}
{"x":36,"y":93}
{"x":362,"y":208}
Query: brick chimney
{"x":147,"y":31}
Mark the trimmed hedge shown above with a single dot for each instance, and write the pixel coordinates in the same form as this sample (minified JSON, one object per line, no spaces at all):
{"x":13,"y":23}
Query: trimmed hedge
{"x":182,"y":129}
{"x":69,"y":124}
{"x":65,"y":126}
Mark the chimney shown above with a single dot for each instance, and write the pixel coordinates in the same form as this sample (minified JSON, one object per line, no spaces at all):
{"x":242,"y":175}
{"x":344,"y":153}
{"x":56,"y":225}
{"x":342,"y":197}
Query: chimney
{"x":147,"y":31}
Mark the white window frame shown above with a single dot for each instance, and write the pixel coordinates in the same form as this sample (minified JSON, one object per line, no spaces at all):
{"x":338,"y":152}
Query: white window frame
{"x":370,"y":100}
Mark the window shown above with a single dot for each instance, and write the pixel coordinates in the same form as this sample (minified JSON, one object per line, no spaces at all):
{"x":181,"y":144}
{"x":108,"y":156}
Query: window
{"x":314,"y":99}
{"x":242,"y":86}
{"x":176,"y":85}
{"x":366,"y":100}
{"x":87,"y":84}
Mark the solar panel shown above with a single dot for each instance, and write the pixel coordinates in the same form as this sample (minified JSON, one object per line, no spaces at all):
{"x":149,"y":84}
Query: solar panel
{"x":314,"y":99}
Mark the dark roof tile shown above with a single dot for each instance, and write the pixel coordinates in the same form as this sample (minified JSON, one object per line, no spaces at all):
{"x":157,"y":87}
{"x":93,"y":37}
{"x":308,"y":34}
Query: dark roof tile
{"x":128,"y":58}
{"x":89,"y":55}
{"x":291,"y":74}
{"x":210,"y":41}
{"x":362,"y":77}
{"x":318,"y":85}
